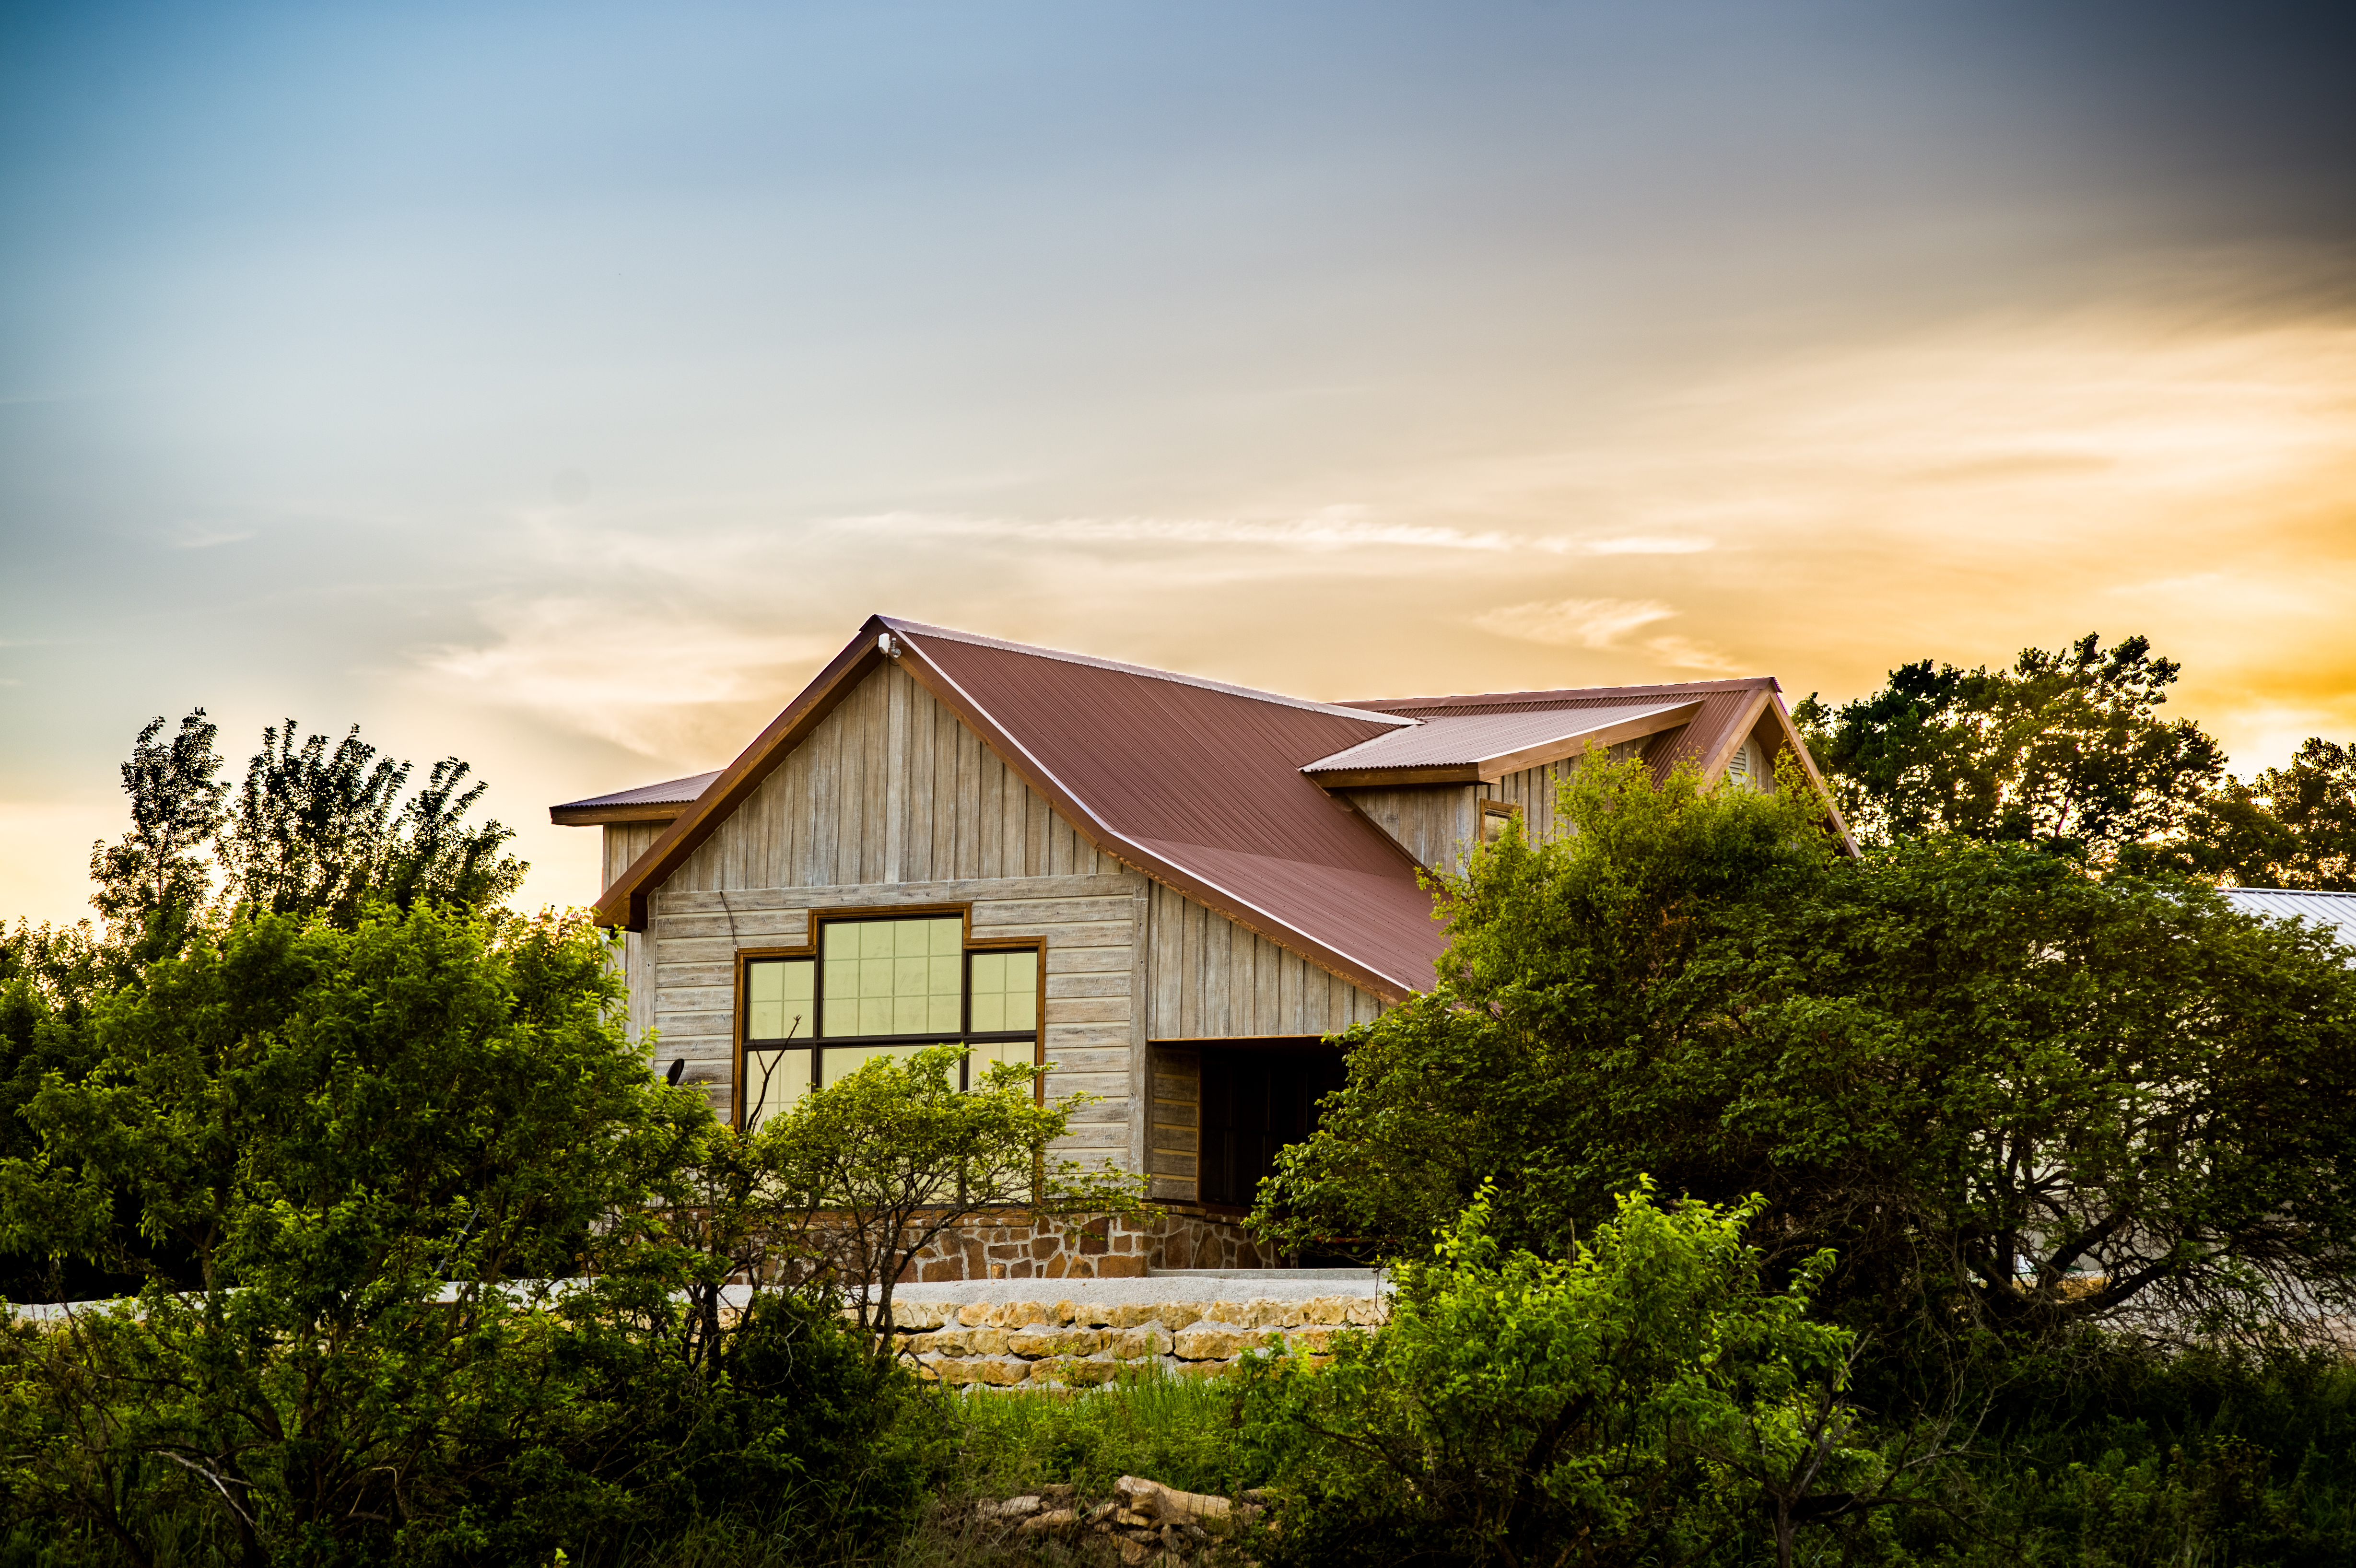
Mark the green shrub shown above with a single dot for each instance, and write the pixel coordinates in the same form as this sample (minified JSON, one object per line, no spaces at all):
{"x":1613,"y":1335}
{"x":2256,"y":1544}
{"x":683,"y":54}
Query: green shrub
{"x":1643,"y":1399}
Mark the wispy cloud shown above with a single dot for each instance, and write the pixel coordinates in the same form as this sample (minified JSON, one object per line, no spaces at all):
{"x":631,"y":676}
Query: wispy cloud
{"x":1684,"y":653}
{"x":558,"y":658}
{"x":1328,"y":529}
{"x":1574,"y":622}
{"x":1646,"y":544}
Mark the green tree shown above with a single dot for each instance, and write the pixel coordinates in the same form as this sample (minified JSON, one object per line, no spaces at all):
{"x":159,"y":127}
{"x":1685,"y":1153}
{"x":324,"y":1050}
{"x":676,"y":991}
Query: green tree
{"x":864,"y":1174}
{"x":327,"y":832}
{"x":1642,"y":1399}
{"x":2288,"y":827}
{"x":2065,"y":751}
{"x":360,"y":1147}
{"x":2012,"y":1097}
{"x":2017,"y":1097}
{"x":1536,"y":1062}
{"x":152,"y":883}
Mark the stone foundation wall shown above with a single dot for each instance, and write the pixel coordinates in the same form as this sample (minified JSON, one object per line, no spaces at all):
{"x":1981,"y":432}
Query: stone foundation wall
{"x":1105,"y":1247}
{"x":1079,"y":1344}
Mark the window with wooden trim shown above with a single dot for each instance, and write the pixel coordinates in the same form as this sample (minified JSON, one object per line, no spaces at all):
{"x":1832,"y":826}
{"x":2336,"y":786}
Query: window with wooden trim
{"x":876,"y":988}
{"x":1495,"y":814}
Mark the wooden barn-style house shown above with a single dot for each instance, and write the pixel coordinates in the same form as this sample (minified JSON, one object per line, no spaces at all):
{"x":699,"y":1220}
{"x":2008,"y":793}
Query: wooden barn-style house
{"x":1168,"y":888}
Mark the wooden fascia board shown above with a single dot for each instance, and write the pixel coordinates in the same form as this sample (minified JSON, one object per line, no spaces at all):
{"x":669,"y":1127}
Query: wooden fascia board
{"x":1790,"y":733}
{"x":1399,"y":778}
{"x":599,"y":815}
{"x":1713,"y":762}
{"x":625,"y":903}
{"x":1108,"y":841}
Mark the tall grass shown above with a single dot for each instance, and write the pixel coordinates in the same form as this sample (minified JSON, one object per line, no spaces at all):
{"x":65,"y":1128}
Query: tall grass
{"x":1176,"y":1430}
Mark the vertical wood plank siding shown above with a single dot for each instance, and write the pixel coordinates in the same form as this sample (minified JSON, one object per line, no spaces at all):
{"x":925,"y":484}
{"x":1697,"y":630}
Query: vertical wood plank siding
{"x":889,"y":788}
{"x":1174,"y":1125}
{"x":1438,"y":823}
{"x":1208,"y":979}
{"x":1431,"y":822}
{"x":624,"y":843}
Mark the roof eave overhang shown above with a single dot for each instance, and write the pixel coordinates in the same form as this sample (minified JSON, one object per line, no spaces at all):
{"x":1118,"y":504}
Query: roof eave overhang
{"x":1398,"y":778}
{"x":598,"y":816}
{"x":1489,"y":770}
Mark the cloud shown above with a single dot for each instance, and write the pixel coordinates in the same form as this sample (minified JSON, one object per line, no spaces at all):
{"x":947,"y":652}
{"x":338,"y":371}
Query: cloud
{"x":1642,"y":544}
{"x":652,"y":682}
{"x":1327,"y":528}
{"x":1574,"y":622}
{"x":1683,"y":653}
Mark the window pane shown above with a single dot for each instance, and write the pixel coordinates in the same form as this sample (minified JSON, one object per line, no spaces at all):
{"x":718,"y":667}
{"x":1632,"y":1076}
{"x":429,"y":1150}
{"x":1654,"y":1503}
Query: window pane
{"x":773,"y":1080}
{"x":777,"y":999}
{"x":893,"y":977}
{"x":843,"y":1061}
{"x":984,"y":1054}
{"x":1005,"y":991}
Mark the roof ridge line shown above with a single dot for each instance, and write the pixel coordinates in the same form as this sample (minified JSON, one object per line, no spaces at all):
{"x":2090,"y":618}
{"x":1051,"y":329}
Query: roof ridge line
{"x":1063,"y":657}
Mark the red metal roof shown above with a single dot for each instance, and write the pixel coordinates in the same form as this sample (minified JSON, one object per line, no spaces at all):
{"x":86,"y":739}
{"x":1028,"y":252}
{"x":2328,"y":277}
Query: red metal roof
{"x":1200,"y":785}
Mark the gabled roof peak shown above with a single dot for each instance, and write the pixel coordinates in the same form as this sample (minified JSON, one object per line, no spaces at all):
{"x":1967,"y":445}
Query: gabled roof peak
{"x":944,"y":634}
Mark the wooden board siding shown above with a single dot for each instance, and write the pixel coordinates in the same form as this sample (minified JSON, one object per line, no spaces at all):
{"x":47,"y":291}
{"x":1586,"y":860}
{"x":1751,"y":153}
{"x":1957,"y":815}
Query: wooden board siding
{"x":1208,"y":979}
{"x":1431,"y":822}
{"x":1438,"y":824}
{"x":1086,"y":927}
{"x":889,"y":788}
{"x":1174,"y":1141}
{"x":624,"y":842}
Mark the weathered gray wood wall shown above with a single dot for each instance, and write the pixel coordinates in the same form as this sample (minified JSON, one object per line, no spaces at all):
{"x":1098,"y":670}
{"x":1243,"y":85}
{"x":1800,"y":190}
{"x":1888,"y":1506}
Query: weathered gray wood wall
{"x":1174,"y":1123}
{"x":624,"y":843}
{"x":1438,"y":823}
{"x":1208,"y":979}
{"x":889,"y":788}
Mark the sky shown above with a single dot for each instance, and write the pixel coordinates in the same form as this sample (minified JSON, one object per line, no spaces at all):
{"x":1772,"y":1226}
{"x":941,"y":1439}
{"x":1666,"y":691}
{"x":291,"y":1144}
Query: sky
{"x":558,"y":385}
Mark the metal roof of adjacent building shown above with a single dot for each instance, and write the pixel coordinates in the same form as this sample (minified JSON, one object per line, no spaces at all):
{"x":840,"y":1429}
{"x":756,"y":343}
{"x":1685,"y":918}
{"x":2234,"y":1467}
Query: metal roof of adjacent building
{"x":1201,"y":785}
{"x":2335,"y":910}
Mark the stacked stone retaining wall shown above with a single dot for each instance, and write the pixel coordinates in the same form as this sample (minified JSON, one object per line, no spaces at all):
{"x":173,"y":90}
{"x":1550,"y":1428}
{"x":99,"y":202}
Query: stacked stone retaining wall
{"x":1103,"y":1246}
{"x":1082,"y":1343}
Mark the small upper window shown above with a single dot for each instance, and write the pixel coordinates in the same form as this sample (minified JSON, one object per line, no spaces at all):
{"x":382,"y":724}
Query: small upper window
{"x":1494,"y":817}
{"x":1738,"y":766}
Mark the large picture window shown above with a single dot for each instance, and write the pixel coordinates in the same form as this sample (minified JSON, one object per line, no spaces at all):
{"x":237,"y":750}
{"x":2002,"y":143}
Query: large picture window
{"x":882,"y":987}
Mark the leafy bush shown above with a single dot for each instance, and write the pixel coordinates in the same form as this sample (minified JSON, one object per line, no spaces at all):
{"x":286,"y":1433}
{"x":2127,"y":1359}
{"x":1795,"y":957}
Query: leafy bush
{"x":1642,"y":1400}
{"x":387,"y":1188}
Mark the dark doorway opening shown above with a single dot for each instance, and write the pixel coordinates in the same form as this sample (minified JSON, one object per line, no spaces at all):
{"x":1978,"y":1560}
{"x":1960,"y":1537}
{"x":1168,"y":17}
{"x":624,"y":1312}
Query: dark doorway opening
{"x":1255,"y":1101}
